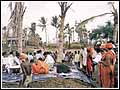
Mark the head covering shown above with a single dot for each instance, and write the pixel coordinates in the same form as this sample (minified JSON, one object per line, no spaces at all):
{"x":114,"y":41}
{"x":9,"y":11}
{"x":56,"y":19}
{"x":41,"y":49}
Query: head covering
{"x":23,"y":56}
{"x":89,"y":49}
{"x":109,"y":45}
{"x":103,"y":46}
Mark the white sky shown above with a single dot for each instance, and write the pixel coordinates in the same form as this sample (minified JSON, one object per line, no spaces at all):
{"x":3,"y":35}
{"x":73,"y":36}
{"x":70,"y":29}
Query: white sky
{"x":80,"y":10}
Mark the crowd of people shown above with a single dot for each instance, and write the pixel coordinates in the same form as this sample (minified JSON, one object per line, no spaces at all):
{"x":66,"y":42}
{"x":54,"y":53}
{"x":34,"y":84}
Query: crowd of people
{"x":101,"y":59}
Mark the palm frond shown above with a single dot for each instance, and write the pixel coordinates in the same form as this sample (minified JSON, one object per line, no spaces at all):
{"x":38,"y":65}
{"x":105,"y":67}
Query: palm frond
{"x":90,"y":19}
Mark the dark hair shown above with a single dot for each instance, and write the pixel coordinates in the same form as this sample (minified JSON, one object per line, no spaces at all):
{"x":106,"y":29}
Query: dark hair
{"x":40,"y":59}
{"x":75,"y":52}
{"x":39,"y":51}
{"x":30,"y":53}
{"x":34,"y":53}
{"x":4,"y":53}
{"x":45,"y":53}
{"x":17,"y":54}
{"x":32,"y":60}
{"x":11,"y":52}
{"x":78,"y":52}
{"x":97,"y":50}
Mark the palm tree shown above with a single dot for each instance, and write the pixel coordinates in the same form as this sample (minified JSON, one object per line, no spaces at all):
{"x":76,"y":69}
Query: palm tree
{"x":64,"y":8}
{"x":55,"y":24}
{"x":16,"y":21}
{"x":33,"y":28}
{"x":43,"y":24}
{"x":69,"y":32}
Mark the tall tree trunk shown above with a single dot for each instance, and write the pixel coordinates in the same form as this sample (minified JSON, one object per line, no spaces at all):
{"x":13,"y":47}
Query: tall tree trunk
{"x":115,"y":33}
{"x":56,"y":37}
{"x":19,"y":25}
{"x":69,"y":41}
{"x":46,"y":37}
{"x":61,"y":39}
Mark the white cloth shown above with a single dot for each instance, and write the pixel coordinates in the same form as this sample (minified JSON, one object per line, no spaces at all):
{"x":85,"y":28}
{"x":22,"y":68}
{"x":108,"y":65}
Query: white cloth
{"x":4,"y":60}
{"x":10,"y":60}
{"x":94,"y":54}
{"x":17,"y":60}
{"x":63,"y":56}
{"x":30,"y":57}
{"x":84,"y":56}
{"x":98,"y":57}
{"x":39,"y":55}
{"x":77,"y":58}
{"x":50,"y":61}
{"x":11,"y":63}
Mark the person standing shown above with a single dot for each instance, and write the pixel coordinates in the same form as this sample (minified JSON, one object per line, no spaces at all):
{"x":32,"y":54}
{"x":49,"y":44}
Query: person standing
{"x":76,"y":59}
{"x":84,"y":54}
{"x":26,"y":70}
{"x":89,"y":65}
{"x":106,"y":68}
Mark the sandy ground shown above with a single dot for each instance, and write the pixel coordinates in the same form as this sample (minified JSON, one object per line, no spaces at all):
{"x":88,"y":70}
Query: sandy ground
{"x":51,"y":83}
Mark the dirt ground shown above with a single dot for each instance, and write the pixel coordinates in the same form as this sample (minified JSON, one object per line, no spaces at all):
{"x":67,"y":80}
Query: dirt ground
{"x":51,"y":83}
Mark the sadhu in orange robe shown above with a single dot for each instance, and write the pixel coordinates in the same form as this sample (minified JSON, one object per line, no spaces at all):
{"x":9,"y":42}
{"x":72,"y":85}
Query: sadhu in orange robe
{"x":106,"y":70}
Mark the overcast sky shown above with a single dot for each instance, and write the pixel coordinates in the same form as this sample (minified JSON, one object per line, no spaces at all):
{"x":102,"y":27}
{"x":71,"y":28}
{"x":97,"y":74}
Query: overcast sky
{"x":79,"y":10}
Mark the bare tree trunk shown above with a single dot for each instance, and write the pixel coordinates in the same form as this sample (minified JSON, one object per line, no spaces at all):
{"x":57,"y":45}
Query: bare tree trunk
{"x":61,"y":39}
{"x":56,"y":37}
{"x":46,"y":37}
{"x":19,"y":26}
{"x":69,"y":41}
{"x":115,"y":33}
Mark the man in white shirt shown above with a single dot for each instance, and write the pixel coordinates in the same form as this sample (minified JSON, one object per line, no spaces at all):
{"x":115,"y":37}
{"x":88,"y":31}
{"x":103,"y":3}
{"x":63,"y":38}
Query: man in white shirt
{"x":4,"y":61}
{"x":13,"y":62}
{"x":84,"y":54}
{"x":49,"y":60}
{"x":30,"y":56}
{"x":39,"y":54}
{"x":76,"y":59}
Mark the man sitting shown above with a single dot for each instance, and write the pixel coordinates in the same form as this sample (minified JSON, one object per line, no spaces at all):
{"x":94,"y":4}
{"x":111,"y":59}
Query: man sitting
{"x":39,"y":67}
{"x":49,"y":60}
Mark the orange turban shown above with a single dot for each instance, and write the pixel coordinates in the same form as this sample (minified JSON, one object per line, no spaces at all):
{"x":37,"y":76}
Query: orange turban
{"x":109,"y":45}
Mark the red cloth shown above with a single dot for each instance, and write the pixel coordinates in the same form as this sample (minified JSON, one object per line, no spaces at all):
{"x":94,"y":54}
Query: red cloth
{"x":35,"y":68}
{"x":106,"y":72}
{"x":43,"y":65}
{"x":112,"y":56}
{"x":89,"y":66}
{"x":106,"y":76}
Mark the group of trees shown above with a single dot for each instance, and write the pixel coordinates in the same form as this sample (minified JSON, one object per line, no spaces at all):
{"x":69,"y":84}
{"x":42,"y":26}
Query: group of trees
{"x":105,"y":31}
{"x":16,"y":20}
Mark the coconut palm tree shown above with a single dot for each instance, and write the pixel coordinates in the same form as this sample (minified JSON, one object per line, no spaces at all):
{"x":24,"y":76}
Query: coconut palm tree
{"x":64,"y":8}
{"x":33,"y":29}
{"x":69,"y":31}
{"x":43,"y":24}
{"x":55,"y":24}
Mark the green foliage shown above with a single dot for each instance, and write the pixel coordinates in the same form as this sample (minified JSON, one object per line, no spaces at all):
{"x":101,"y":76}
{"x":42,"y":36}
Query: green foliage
{"x":106,"y":30}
